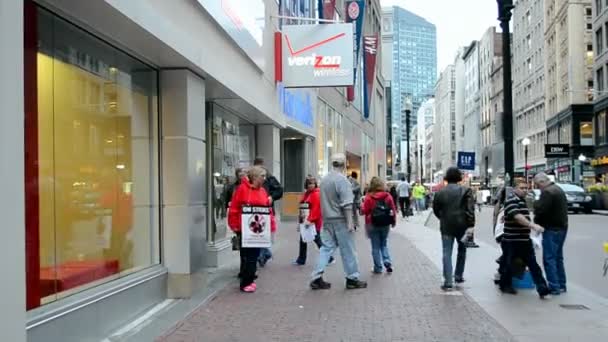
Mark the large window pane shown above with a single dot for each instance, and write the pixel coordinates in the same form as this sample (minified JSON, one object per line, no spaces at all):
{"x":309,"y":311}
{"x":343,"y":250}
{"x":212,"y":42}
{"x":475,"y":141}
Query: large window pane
{"x":98,"y":167}
{"x":586,"y":133}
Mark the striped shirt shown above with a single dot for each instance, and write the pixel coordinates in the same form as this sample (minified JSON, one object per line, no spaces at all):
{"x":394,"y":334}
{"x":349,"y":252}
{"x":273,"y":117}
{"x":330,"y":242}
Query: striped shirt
{"x":514,"y":231}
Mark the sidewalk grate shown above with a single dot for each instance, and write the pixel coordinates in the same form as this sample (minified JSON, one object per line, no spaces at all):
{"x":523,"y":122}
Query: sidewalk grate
{"x":573,"y":307}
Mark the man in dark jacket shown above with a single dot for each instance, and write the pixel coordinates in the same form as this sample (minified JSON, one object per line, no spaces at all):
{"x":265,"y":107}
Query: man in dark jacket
{"x":551,"y":212}
{"x":454,"y":206}
{"x":275,"y":192}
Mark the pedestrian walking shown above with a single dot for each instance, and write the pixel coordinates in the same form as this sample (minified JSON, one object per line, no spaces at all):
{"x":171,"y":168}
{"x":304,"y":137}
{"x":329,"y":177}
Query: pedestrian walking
{"x":275,"y":192}
{"x":479,"y":200}
{"x":338,"y":227}
{"x":310,"y":214}
{"x":250,"y":193}
{"x":403,"y":190}
{"x":357,"y":197}
{"x":419,"y":195}
{"x":551,"y":212}
{"x":454,"y":206}
{"x":380,"y":214}
{"x":516,"y":242}
{"x":394,"y":195}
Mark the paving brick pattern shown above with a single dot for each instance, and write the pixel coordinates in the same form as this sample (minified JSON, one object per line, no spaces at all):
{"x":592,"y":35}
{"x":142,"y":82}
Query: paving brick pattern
{"x":405,"y":306}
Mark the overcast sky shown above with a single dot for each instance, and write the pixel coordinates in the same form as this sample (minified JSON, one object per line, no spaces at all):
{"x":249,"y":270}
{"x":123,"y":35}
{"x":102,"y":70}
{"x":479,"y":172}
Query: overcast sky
{"x":458,"y":22}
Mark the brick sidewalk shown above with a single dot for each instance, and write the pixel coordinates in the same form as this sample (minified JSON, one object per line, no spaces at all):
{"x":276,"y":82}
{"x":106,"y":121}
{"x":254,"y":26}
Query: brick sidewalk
{"x":405,"y":306}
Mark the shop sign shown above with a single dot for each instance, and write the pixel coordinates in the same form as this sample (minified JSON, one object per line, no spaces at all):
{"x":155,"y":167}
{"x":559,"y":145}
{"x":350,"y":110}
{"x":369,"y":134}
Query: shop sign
{"x":317,"y":55}
{"x":244,"y":21}
{"x":599,"y":161}
{"x":557,"y":150}
{"x":370,"y":46}
{"x":354,"y":14}
{"x":297,"y":105}
{"x":466,"y":160}
{"x":327,"y":9}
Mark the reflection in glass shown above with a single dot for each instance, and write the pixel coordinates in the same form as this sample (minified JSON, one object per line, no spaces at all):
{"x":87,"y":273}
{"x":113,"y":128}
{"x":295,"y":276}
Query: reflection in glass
{"x":97,"y":161}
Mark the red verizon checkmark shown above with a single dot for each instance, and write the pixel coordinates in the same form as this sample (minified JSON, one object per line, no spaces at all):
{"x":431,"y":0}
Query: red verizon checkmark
{"x":294,"y":53}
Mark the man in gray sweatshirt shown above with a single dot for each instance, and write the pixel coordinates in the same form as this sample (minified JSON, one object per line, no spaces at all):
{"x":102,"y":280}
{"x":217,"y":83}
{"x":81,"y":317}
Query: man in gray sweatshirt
{"x":338,"y":226}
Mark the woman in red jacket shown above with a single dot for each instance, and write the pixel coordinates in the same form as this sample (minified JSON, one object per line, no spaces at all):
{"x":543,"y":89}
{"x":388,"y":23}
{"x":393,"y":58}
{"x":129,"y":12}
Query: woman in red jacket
{"x":250,"y":193}
{"x":380,"y":213}
{"x":310,"y":214}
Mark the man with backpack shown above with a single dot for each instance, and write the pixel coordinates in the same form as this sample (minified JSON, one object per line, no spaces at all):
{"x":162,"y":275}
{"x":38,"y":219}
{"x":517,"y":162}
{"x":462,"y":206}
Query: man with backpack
{"x":275,"y":192}
{"x":454,"y":206}
{"x":380,"y":214}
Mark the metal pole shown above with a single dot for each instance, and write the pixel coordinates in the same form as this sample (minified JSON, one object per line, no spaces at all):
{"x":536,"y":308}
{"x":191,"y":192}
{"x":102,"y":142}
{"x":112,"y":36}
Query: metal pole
{"x":526,"y":163}
{"x":504,"y":15}
{"x":421,"y":166}
{"x":487,"y":174}
{"x":407,"y":134}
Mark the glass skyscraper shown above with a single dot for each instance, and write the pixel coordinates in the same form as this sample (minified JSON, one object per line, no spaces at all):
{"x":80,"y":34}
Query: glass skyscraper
{"x":414,"y":63}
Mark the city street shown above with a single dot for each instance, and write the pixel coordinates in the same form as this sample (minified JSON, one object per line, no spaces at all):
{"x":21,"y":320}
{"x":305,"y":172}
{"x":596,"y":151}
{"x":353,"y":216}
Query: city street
{"x":584,"y":254}
{"x":405,"y":306}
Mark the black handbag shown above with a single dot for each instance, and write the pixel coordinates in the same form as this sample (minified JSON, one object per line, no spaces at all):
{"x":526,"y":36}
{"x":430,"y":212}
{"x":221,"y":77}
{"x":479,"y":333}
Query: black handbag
{"x":236,"y":243}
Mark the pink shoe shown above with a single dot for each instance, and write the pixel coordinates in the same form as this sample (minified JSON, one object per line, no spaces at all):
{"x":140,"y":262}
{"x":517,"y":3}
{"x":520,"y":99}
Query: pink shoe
{"x":249,"y":288}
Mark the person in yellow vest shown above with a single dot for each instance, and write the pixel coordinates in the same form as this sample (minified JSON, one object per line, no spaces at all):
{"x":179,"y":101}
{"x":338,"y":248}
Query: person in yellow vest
{"x":419,"y":193}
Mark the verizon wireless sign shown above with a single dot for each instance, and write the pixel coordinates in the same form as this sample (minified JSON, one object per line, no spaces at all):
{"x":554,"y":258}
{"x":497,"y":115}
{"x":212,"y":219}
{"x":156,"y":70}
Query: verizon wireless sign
{"x":317,"y":55}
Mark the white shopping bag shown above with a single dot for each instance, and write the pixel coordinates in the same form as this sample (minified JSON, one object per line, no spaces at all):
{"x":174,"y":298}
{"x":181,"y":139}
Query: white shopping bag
{"x":499,"y":230}
{"x":256,"y":227}
{"x":308,"y":232}
{"x":537,"y":239}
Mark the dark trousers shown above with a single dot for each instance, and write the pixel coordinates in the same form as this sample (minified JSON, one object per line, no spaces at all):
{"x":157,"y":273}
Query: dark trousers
{"x":249,"y":264}
{"x":404,"y":204}
{"x":523,"y":250}
{"x":304,"y":248}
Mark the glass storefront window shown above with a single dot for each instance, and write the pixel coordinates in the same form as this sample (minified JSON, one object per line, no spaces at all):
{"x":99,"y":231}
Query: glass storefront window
{"x":232,"y":148}
{"x":586,"y":130}
{"x":321,"y":140}
{"x":601,"y":128}
{"x":97,"y":154}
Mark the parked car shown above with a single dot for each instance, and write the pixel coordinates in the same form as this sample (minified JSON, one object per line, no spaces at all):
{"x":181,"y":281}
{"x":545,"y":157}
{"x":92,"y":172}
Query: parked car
{"x":578,"y":199}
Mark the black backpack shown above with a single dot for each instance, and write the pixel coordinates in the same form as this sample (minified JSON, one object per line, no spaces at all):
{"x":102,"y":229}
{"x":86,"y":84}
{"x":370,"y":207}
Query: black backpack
{"x":382,"y":215}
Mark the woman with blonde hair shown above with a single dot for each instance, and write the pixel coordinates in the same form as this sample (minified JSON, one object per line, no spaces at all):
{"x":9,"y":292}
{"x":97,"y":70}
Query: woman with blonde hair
{"x":380,"y":214}
{"x":250,"y":194}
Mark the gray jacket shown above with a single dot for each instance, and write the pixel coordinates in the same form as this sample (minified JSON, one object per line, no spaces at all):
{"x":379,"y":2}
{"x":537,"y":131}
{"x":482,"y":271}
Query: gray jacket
{"x":454,"y":206}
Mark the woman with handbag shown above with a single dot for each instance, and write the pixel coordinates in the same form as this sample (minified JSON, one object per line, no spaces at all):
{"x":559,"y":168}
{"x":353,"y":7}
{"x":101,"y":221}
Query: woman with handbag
{"x":310,"y":215}
{"x":250,"y":209}
{"x":380,"y":214}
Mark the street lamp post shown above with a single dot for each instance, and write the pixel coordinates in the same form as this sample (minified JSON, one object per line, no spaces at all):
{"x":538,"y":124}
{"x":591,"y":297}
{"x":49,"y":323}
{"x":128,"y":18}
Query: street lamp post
{"x":487,"y":173}
{"x":526,"y":142}
{"x":504,"y":15}
{"x":408,"y":111}
{"x":582,"y":159}
{"x":421,"y":166}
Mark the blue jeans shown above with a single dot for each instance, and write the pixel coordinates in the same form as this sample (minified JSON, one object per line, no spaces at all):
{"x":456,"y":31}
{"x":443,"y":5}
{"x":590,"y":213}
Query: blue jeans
{"x":553,"y":258}
{"x":336,"y":235}
{"x":420,"y":206}
{"x":448,"y":246}
{"x":379,"y":239}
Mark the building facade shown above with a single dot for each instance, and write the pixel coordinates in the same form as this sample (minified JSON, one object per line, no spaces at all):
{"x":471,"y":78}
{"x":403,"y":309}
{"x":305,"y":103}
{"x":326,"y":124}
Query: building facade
{"x":600,"y":70}
{"x":493,"y":157}
{"x":126,"y":126}
{"x":444,"y":130}
{"x":425,"y":120}
{"x":469,"y":129}
{"x":569,"y":84}
{"x":529,"y":84}
{"x":414,"y":61}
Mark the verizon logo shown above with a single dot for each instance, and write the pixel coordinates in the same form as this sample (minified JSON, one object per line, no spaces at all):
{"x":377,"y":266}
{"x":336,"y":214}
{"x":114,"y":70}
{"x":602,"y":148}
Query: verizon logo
{"x":316,"y":61}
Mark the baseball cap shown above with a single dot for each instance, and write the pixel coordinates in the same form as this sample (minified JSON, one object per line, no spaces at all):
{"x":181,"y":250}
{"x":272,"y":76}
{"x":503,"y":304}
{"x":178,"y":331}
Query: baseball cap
{"x":338,"y":158}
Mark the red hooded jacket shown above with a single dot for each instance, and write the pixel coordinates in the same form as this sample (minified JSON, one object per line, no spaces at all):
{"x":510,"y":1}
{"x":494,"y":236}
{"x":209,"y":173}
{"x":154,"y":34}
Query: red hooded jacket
{"x":313,"y":198}
{"x":370,"y":203}
{"x":244,"y":195}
